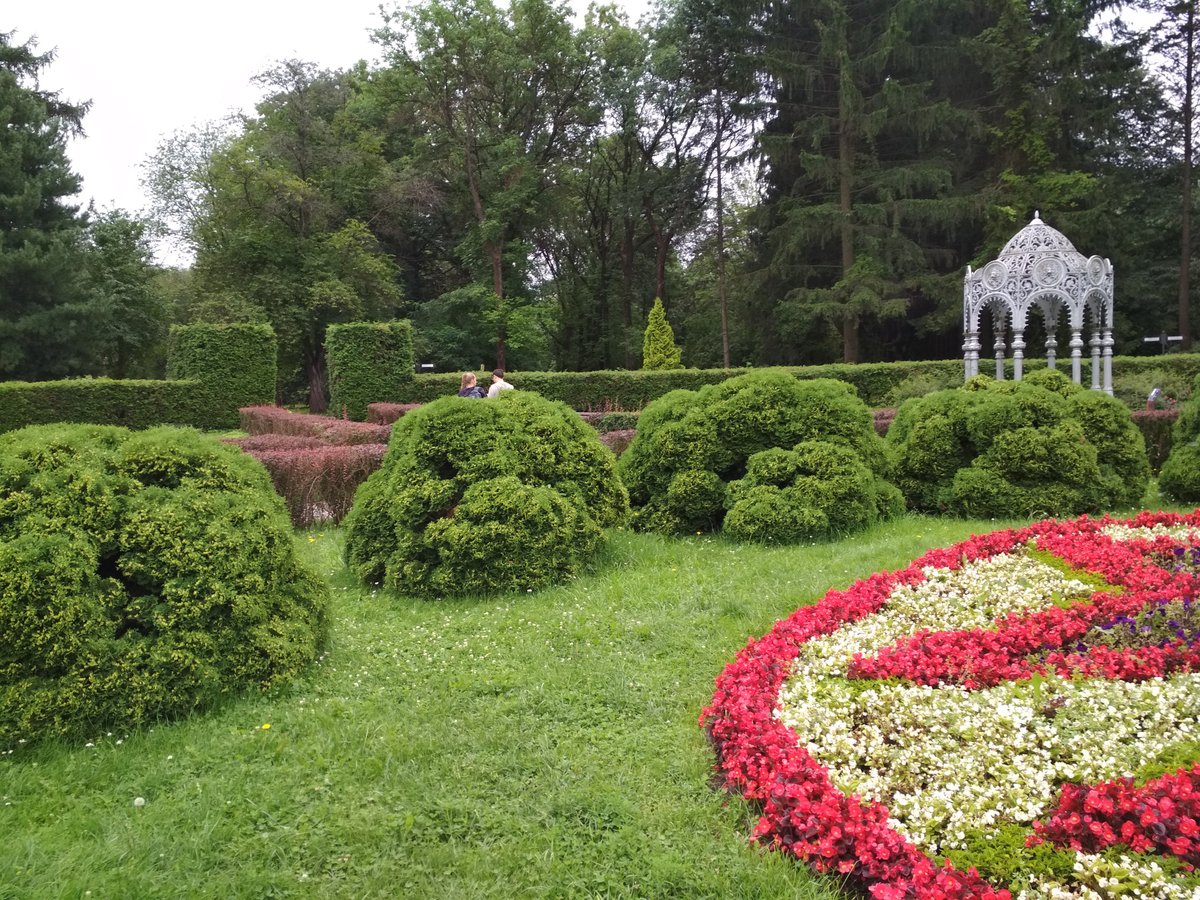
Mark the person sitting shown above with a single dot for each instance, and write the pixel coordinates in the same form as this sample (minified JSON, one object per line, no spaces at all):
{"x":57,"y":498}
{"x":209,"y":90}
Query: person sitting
{"x":468,"y":387}
{"x":498,"y":383}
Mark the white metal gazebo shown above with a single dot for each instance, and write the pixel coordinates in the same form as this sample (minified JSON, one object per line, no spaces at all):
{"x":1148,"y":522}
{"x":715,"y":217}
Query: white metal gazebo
{"x":1040,"y":268}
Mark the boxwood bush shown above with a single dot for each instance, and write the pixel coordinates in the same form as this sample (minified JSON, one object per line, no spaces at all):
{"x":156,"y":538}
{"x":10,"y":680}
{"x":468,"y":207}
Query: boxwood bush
{"x":143,"y":575}
{"x":767,"y":456}
{"x":1040,"y":446}
{"x":480,"y":497}
{"x":1179,"y":478}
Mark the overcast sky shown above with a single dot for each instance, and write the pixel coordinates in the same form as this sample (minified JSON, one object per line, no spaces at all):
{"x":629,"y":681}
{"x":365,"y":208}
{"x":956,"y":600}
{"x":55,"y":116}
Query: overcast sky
{"x":151,"y":67}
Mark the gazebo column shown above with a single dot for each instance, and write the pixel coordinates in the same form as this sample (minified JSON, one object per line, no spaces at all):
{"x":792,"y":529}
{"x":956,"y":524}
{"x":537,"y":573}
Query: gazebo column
{"x":1051,"y":351}
{"x":1108,"y":354}
{"x":1076,"y":356}
{"x":1095,"y":345}
{"x":971,"y":355}
{"x":998,"y":347}
{"x":1018,"y":347}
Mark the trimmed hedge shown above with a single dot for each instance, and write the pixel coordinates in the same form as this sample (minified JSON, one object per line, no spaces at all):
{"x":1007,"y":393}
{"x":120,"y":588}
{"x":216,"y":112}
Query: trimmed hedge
{"x":480,"y":497}
{"x":318,"y":484}
{"x":143,"y":575}
{"x":233,"y":366}
{"x":1042,"y":446}
{"x":767,"y":456}
{"x":875,"y":383}
{"x":368,"y":362}
{"x":132,"y":403}
{"x":388,"y":413}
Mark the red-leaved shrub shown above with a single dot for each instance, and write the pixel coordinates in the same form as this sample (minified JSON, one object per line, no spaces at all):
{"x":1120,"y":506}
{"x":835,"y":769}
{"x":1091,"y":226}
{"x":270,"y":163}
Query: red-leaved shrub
{"x":387,"y":413}
{"x":318,"y":484}
{"x":276,"y":420}
{"x":258,"y":442}
{"x":1156,"y":429}
{"x":617,"y":441}
{"x":883,"y":420}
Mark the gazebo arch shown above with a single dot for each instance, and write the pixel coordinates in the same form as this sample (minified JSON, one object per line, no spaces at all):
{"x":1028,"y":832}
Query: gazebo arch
{"x":1040,"y":269}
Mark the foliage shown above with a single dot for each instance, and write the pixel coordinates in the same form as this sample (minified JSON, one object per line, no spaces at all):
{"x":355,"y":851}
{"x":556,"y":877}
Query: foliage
{"x":146,"y":575}
{"x":816,"y":490}
{"x":693,"y":450}
{"x":368,"y":362}
{"x":274,"y":420}
{"x":1017,"y":449}
{"x":43,"y":332}
{"x":1179,"y":478}
{"x":659,"y":350}
{"x":233,"y":364}
{"x":317,"y":483}
{"x":477,"y":498}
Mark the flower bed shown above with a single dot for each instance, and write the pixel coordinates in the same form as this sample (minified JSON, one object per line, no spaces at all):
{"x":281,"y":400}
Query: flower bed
{"x":1015,"y":716}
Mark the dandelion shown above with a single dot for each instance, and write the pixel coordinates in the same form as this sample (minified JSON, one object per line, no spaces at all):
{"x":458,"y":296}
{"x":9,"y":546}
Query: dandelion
{"x":266,"y":725}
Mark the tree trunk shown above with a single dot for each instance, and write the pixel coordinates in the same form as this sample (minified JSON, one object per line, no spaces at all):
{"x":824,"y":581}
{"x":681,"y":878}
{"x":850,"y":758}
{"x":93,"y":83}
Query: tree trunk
{"x":314,"y":365}
{"x":496,"y":255}
{"x":1185,"y":241}
{"x":845,"y":171}
{"x":627,"y":290}
{"x":722,"y":292}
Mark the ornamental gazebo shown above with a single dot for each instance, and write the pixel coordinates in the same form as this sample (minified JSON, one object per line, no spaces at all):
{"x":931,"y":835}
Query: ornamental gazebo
{"x":1040,"y":268}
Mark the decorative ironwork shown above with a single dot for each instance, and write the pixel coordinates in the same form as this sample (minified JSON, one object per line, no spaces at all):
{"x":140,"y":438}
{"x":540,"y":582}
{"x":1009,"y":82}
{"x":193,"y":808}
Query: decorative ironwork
{"x":1040,"y":269}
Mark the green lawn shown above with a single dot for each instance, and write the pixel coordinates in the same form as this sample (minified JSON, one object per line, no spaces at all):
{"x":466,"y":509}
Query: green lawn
{"x":540,"y":745}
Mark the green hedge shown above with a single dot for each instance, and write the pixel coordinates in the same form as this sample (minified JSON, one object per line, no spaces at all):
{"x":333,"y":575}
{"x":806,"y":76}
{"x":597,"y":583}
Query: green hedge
{"x":234,"y":366}
{"x":214,"y":370}
{"x":133,"y":404}
{"x":874,"y":382}
{"x":369,"y":362}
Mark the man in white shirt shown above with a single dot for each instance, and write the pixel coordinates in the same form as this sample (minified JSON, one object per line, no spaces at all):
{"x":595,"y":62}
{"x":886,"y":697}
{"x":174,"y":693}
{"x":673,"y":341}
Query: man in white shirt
{"x":498,"y":383}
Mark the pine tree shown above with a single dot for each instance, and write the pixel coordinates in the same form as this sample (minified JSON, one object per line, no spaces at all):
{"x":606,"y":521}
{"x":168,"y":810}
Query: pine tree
{"x":659,"y":350}
{"x":43,"y":322}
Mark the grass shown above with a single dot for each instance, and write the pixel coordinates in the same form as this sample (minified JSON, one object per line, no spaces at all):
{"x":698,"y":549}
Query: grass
{"x":540,"y":745}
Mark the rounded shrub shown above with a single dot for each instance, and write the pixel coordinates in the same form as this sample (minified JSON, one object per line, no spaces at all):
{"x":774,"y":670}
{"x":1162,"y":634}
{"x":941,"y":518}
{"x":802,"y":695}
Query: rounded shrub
{"x":766,"y":456}
{"x":143,"y":575}
{"x":1179,"y":477}
{"x":816,"y":490}
{"x":1042,"y":445}
{"x":476,"y":498}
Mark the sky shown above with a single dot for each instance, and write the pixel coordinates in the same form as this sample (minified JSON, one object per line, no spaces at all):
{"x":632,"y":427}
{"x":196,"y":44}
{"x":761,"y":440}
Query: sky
{"x":151,"y":68}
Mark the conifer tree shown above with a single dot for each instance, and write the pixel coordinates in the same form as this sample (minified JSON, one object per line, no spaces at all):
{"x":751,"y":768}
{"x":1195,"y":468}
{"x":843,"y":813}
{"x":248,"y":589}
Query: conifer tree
{"x":659,"y":350}
{"x":41,"y":312}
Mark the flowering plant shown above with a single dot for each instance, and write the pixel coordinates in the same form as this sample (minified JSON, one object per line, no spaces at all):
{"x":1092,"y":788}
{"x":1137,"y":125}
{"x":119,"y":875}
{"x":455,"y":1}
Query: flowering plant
{"x":1013,"y":716}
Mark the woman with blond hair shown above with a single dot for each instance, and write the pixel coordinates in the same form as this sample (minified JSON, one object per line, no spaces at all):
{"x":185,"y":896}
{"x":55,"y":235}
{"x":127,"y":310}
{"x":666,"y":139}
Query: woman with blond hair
{"x":468,"y":387}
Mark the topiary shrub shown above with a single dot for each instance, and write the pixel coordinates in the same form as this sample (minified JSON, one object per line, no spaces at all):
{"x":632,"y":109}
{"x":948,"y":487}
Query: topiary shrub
{"x":1179,"y":478}
{"x":1008,"y":449}
{"x":476,"y":498}
{"x":751,"y":455}
{"x":143,"y":575}
{"x":816,"y":490}
{"x":659,"y":350}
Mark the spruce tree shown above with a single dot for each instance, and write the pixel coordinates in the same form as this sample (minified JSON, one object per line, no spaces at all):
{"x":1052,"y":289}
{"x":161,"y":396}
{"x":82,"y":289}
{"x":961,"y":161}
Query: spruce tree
{"x":43,"y":320}
{"x":659,"y":350}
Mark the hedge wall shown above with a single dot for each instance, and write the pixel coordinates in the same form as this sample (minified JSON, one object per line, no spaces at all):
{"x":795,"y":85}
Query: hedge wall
{"x":233,"y":365}
{"x":215,"y":370}
{"x":133,"y":404}
{"x":368,"y":362}
{"x":874,"y":382}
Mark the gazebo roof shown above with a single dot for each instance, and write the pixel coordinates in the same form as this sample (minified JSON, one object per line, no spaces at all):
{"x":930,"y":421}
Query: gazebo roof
{"x":1038,"y":237}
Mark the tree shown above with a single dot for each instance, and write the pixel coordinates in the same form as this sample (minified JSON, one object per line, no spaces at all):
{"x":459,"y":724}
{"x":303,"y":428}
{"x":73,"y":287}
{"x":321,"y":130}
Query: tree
{"x":659,"y":350}
{"x":41,"y":312}
{"x":869,"y":152}
{"x":1175,"y":39}
{"x":277,"y":214}
{"x":505,"y":101}
{"x":130,"y":314}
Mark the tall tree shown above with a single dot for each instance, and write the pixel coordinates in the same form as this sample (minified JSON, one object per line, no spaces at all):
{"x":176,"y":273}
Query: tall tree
{"x":506,"y":100}
{"x":1175,"y":41}
{"x":868,"y":156}
{"x":128,"y":310}
{"x":41,"y":312}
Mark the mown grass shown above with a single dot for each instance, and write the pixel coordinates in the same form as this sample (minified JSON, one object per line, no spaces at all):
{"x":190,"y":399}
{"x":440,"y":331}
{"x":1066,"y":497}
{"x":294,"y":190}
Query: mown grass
{"x":540,"y":745}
